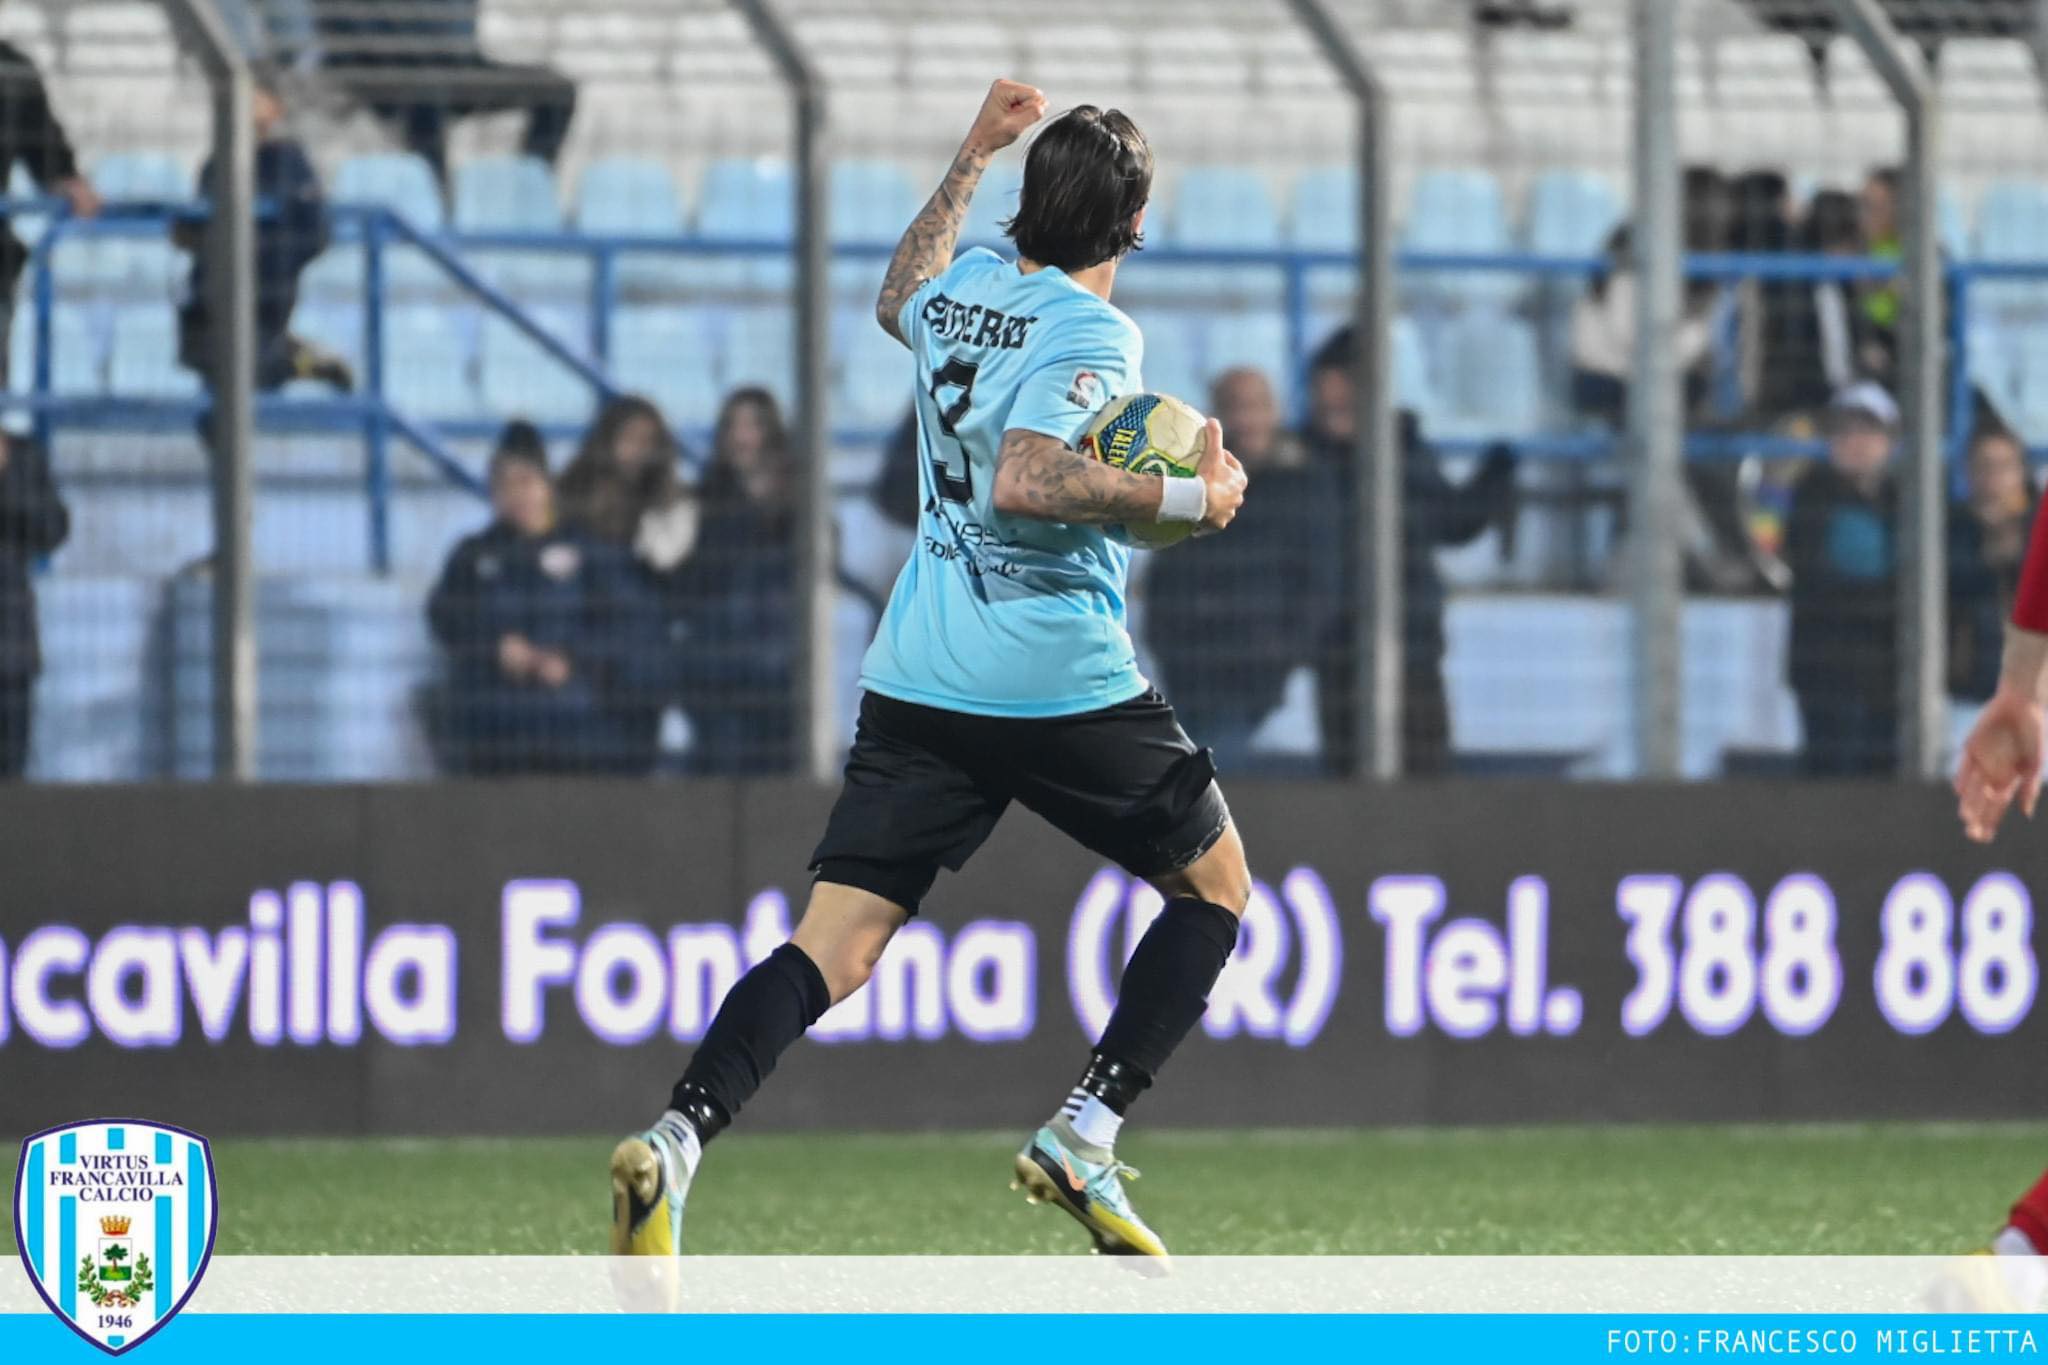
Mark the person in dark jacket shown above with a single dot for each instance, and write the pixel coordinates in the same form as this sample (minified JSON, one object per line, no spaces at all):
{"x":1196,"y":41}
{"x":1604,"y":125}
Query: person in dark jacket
{"x":1987,"y":545}
{"x":1230,"y":617}
{"x":31,"y":136}
{"x":556,"y":657}
{"x":33,"y":523}
{"x":419,"y":66}
{"x":1435,"y":513}
{"x":1841,"y":543}
{"x":737,"y":597}
{"x":291,"y":229}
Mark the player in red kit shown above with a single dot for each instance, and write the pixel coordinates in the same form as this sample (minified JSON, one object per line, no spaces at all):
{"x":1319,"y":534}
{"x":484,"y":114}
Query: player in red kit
{"x":2002,"y":763}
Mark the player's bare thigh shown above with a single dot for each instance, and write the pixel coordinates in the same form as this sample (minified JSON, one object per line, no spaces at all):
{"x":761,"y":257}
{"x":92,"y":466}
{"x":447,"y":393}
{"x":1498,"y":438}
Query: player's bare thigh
{"x":844,"y":931}
{"x":1220,"y":876}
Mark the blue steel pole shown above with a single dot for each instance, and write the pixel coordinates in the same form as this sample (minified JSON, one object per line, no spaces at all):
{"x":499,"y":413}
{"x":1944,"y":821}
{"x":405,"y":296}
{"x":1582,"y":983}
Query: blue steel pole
{"x":45,"y":303}
{"x":604,"y":282}
{"x":377,"y":451}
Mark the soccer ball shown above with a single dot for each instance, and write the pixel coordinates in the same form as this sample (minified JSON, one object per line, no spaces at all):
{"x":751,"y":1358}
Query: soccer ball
{"x":1149,"y":433}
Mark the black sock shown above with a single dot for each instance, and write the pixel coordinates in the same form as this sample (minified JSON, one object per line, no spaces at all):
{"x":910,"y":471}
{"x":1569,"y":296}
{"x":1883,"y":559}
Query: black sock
{"x":767,"y":1009}
{"x":1165,"y":989}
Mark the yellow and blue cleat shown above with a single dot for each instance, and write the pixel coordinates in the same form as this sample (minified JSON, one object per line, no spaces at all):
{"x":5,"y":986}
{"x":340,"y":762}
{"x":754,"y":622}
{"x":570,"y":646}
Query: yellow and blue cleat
{"x":650,"y":1177}
{"x":1057,"y":1168}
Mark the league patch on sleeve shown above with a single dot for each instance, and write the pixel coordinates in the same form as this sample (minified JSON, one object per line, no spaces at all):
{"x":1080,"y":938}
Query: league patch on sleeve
{"x":1086,"y":390}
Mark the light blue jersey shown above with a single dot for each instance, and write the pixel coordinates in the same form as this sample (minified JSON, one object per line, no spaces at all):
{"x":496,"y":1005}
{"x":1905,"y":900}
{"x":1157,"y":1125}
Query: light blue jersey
{"x":997,"y":615}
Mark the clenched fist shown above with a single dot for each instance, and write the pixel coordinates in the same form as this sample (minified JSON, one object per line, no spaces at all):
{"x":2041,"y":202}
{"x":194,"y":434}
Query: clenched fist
{"x":1008,"y":110}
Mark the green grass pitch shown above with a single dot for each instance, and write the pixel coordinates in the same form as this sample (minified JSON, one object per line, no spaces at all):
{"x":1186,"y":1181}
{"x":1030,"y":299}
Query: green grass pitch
{"x":1865,"y":1189}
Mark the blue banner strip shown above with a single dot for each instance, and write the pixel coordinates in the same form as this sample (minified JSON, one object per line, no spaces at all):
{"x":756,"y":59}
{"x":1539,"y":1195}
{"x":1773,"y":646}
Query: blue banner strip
{"x":35,"y":1194}
{"x":66,"y":1269}
{"x":195,"y":1212}
{"x":1524,"y":1339}
{"x":163,"y":1149}
{"x":165,"y":1293}
{"x":117,"y":1139}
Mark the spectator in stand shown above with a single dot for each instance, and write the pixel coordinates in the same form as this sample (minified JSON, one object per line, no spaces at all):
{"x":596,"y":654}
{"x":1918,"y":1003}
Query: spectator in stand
{"x":623,"y":487}
{"x":1817,"y":357}
{"x":738,"y":597}
{"x":291,"y":229}
{"x":418,"y":65}
{"x":1877,"y":343}
{"x":1841,"y":544}
{"x":31,"y":136}
{"x":556,"y":659}
{"x":1763,"y":224}
{"x":1603,"y":339}
{"x":1434,"y":513}
{"x":33,"y":523}
{"x":1230,"y":617}
{"x":1987,"y":543}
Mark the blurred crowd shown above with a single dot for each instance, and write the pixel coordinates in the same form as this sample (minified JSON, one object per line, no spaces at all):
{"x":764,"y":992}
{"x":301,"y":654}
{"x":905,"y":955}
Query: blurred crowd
{"x":636,"y":610}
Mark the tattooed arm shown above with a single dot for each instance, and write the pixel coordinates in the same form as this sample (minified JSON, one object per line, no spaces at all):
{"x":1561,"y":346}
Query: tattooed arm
{"x":1046,"y":480}
{"x":927,"y":245}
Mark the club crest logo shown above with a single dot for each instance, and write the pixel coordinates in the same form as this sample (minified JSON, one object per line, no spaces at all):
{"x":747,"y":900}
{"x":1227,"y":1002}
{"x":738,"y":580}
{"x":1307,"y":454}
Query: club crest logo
{"x":115,"y":1222}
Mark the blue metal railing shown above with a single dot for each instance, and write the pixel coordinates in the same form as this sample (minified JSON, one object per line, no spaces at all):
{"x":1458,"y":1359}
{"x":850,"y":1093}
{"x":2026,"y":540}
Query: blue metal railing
{"x":380,"y":230}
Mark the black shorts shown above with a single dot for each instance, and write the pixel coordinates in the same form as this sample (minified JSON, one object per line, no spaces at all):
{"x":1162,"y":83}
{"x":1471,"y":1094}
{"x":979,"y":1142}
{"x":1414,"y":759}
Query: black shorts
{"x":924,"y":787}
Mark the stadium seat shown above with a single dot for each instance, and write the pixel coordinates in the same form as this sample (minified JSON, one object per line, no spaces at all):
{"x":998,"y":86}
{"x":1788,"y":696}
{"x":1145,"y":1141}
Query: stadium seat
{"x":1490,"y":377}
{"x":994,"y":201}
{"x":872,"y":373}
{"x":1225,"y":206}
{"x":1459,"y":212}
{"x":758,"y":350}
{"x":426,"y":363}
{"x":1414,"y":390}
{"x":153,"y":177}
{"x":1256,"y":339}
{"x":402,"y":183}
{"x":625,"y":196}
{"x":2030,"y":385}
{"x":871,"y":202}
{"x":518,"y":378}
{"x":143,"y":360}
{"x":399,"y":181}
{"x":2012,"y":225}
{"x":1172,"y":356}
{"x":1323,"y":210}
{"x":1571,"y":214}
{"x":75,"y":345}
{"x":744,"y":200}
{"x":331,"y":325}
{"x":665,"y":353}
{"x":517,"y":194}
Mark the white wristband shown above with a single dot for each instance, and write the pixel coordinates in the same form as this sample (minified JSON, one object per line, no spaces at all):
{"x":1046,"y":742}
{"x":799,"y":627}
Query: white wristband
{"x":1183,"y":499}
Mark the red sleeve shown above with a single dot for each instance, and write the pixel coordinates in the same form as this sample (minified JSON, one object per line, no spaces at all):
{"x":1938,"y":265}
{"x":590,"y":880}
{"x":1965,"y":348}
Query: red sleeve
{"x":2030,"y":606}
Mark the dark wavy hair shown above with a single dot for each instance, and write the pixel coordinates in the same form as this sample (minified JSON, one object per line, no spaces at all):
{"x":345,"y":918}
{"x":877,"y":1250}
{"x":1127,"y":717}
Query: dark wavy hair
{"x":1087,"y":176}
{"x":603,"y":497}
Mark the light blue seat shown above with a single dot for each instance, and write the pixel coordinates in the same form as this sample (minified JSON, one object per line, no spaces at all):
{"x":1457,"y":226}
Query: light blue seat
{"x":629,"y":196}
{"x":1323,"y":210}
{"x":151,"y":176}
{"x":665,"y":353}
{"x":1954,"y":220}
{"x":2012,"y":225}
{"x":759,"y":350}
{"x":402,"y":183}
{"x":516,"y":194}
{"x":143,"y":360}
{"x":399,"y":181}
{"x":1490,"y":376}
{"x":1257,"y":340}
{"x":1414,"y":389}
{"x":333,"y":326}
{"x":2030,"y":385}
{"x":141,"y":264}
{"x":995,"y":200}
{"x":1173,"y":361}
{"x":310,"y":530}
{"x":77,"y":354}
{"x":520,"y":379}
{"x":744,"y":200}
{"x":872,"y":373}
{"x":426,"y":363}
{"x":1224,"y":208}
{"x":1459,"y":212}
{"x":871,"y":203}
{"x":1571,"y":214}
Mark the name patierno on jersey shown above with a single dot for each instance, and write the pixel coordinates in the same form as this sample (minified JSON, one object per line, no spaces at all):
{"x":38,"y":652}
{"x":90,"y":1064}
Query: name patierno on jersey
{"x":995,"y":615}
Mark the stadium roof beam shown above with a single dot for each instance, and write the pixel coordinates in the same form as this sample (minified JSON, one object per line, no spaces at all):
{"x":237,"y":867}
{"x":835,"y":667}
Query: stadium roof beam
{"x":1374,"y":572}
{"x":1923,"y":567}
